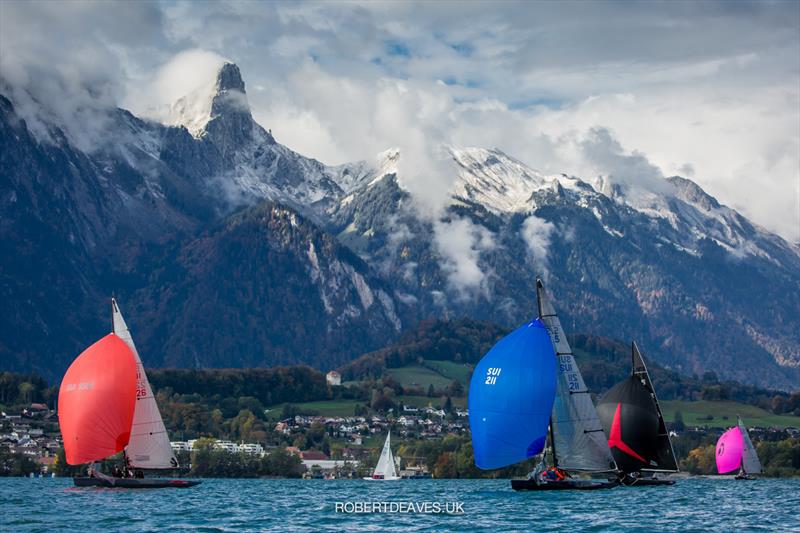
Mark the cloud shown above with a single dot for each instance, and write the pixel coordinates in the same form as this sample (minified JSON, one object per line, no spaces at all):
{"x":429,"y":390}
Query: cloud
{"x":709,"y":86}
{"x":460,"y":243}
{"x":190,"y":71}
{"x":536,"y":233}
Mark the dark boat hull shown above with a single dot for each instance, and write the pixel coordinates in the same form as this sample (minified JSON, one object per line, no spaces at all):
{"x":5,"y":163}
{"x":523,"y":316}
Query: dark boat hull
{"x":134,"y":483}
{"x":566,"y":484}
{"x":646,"y":482}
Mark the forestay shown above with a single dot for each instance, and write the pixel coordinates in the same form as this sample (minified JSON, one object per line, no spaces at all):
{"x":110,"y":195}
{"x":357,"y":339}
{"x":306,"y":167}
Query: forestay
{"x":149,"y":445}
{"x":579,"y":440}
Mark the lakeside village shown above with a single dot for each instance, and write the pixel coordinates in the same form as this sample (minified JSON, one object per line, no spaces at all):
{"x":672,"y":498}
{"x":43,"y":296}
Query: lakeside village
{"x":30,"y":442}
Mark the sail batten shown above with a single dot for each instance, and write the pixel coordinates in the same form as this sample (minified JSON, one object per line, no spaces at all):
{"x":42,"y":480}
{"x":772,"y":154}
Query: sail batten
{"x":149,"y":445}
{"x":579,"y":440}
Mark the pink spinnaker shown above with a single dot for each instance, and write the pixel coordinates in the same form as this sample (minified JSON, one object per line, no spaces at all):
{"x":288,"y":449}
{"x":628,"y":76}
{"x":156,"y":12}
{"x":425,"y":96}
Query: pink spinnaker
{"x":729,"y":451}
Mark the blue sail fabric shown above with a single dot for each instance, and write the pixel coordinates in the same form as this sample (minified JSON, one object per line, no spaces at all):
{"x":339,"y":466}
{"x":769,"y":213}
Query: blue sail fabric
{"x":511,"y":397}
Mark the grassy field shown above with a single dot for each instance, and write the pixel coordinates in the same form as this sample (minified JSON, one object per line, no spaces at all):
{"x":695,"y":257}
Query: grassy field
{"x":423,"y":401}
{"x":323,"y":408}
{"x":418,"y":376}
{"x":450,"y":370}
{"x":724,"y":413}
{"x":347,"y":407}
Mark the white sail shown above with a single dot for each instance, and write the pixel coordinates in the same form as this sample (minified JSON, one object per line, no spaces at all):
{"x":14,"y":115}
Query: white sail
{"x":750,"y":462}
{"x":149,"y":445}
{"x":386,"y":465}
{"x":580,"y":444}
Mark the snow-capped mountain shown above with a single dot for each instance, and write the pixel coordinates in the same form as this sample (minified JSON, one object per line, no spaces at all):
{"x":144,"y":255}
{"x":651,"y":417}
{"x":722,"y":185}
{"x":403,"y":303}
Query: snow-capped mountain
{"x":666,"y":264}
{"x":172,"y":217}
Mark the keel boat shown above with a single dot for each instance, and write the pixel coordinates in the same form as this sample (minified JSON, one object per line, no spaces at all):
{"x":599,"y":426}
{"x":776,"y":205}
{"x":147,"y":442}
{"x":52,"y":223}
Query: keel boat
{"x":106,"y":406}
{"x":637,"y":434}
{"x":735,"y":451}
{"x":527,"y":390}
{"x":385,"y":470}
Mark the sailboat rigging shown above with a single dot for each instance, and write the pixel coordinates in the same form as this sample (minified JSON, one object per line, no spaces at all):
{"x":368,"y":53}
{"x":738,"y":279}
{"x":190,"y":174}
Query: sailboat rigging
{"x":385,"y":470}
{"x":543,"y":397}
{"x":637,"y":433}
{"x":735,"y":451}
{"x":106,"y":406}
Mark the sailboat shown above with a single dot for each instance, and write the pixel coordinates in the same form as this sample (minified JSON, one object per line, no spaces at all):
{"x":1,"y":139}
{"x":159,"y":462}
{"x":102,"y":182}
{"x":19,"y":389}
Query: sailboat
{"x":735,"y":451}
{"x":385,"y":470}
{"x":106,"y":406}
{"x":528,"y":389}
{"x":637,"y":434}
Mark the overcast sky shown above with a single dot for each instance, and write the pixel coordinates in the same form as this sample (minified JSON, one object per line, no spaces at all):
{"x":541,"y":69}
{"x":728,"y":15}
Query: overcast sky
{"x":707,"y":90}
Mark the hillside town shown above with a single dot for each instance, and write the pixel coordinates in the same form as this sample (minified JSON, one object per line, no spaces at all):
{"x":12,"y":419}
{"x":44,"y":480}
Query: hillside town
{"x":33,"y":433}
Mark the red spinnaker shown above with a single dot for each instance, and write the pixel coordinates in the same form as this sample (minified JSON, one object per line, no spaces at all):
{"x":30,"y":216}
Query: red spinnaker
{"x":96,"y":401}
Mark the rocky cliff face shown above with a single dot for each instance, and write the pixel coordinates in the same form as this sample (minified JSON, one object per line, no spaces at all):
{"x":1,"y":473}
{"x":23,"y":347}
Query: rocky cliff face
{"x":172,"y":217}
{"x":155,"y":216}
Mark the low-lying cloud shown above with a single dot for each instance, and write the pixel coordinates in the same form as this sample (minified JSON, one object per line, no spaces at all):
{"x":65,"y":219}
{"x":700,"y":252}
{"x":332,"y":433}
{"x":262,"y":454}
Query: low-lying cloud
{"x":711,"y":87}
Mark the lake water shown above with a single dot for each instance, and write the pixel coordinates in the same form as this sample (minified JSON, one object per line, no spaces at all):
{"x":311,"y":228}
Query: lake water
{"x":705,"y":505}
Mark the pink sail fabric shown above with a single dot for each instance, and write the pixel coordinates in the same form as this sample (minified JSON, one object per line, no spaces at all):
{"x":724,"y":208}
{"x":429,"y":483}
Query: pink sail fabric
{"x":729,"y":451}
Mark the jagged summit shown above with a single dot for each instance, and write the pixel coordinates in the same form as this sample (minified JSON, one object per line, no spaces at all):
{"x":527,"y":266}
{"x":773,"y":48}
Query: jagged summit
{"x":230,"y":78}
{"x":219,"y":110}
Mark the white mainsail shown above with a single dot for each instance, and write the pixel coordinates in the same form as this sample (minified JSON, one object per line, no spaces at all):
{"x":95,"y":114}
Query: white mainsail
{"x":149,"y":445}
{"x":750,"y":462}
{"x":580,"y":444}
{"x":386,"y":466}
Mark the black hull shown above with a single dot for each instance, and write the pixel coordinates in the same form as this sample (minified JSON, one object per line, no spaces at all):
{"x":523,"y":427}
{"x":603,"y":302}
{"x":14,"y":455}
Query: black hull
{"x":566,"y":484}
{"x":647,"y":482}
{"x":134,"y":483}
{"x":744,"y":478}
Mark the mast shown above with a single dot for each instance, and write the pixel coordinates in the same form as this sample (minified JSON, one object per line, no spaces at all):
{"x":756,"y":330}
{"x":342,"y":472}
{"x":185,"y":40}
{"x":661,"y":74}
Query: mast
{"x":539,"y":288}
{"x":637,"y":361}
{"x":750,"y":461}
{"x":149,"y":445}
{"x":574,"y":420}
{"x":553,"y":444}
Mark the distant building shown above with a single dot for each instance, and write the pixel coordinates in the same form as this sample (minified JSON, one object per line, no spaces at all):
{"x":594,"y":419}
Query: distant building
{"x":333,"y":378}
{"x":251,"y":448}
{"x":313,"y":455}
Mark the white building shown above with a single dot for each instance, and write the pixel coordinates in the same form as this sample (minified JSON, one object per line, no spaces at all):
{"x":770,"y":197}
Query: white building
{"x":255,"y":449}
{"x":333,"y":378}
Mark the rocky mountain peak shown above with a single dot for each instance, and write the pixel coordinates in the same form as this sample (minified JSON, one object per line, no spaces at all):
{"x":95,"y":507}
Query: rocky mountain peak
{"x":230,"y":78}
{"x":219,"y":110}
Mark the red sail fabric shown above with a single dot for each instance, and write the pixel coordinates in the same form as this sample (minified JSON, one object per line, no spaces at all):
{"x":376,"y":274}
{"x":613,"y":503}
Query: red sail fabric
{"x":96,"y":401}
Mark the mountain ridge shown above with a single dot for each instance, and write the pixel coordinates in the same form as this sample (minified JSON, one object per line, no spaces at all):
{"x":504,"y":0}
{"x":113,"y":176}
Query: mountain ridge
{"x":674,"y":267}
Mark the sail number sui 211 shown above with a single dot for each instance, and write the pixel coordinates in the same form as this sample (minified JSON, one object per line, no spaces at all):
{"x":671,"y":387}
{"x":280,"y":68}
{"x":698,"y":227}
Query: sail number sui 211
{"x":491,"y":375}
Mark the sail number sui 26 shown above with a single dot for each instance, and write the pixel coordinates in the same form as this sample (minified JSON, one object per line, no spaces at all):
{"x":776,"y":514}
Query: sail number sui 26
{"x":491,"y":375}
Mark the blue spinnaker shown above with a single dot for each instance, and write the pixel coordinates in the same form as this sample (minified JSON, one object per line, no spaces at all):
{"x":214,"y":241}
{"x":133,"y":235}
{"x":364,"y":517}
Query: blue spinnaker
{"x":511,"y":397}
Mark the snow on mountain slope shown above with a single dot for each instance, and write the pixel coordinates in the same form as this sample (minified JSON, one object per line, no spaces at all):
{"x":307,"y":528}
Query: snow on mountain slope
{"x":504,"y":185}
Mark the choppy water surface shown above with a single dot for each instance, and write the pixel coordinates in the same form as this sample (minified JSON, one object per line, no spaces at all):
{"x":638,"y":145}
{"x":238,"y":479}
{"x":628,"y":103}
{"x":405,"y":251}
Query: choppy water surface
{"x":488,"y":505}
